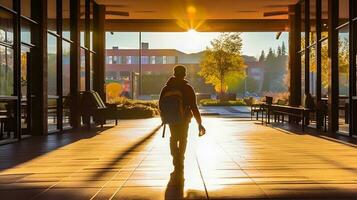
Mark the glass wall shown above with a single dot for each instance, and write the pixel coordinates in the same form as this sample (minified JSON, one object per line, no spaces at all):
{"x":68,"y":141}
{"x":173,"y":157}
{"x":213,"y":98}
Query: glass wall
{"x":318,"y":11}
{"x":6,"y":53}
{"x":16,"y":76}
{"x":13,"y":75}
{"x":53,"y":39}
{"x":66,"y":56}
{"x":52,"y":81}
{"x":343,"y":64}
{"x":120,"y":79}
{"x":324,"y":69}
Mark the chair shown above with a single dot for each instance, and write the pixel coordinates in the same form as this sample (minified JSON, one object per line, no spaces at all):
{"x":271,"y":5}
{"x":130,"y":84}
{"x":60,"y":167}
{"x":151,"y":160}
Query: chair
{"x":322,"y":109}
{"x":256,"y":108}
{"x":8,"y":121}
{"x":93,"y":105}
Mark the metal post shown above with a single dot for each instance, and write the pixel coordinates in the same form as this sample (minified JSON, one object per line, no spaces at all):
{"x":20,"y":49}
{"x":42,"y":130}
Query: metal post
{"x":333,"y":93}
{"x":140,"y":66}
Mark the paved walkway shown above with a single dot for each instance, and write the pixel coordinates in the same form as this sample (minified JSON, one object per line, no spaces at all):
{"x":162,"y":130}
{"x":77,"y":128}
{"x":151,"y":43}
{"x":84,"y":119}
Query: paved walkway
{"x":226,"y":111}
{"x":237,"y":159}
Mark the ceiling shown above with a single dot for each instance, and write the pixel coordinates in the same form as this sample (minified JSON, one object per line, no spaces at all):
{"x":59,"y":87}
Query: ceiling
{"x":196,"y":9}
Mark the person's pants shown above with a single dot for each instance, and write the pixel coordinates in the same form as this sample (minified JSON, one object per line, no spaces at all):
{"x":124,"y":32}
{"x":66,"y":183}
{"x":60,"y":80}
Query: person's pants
{"x":178,"y":142}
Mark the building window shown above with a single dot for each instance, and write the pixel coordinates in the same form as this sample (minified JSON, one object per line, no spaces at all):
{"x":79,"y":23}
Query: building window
{"x":110,"y":59}
{"x":152,"y":60}
{"x":52,"y":64}
{"x":158,"y":60}
{"x":115,"y":60}
{"x":128,"y":60}
{"x":145,"y":59}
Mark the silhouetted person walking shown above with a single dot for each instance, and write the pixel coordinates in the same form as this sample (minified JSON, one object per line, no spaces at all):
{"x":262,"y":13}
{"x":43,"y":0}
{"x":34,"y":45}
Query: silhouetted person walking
{"x":177,"y":105}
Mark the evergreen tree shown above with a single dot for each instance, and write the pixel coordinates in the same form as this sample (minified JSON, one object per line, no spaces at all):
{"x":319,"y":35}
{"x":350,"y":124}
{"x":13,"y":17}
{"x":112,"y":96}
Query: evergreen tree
{"x":279,"y":51}
{"x":262,"y":57}
{"x":283,"y":49}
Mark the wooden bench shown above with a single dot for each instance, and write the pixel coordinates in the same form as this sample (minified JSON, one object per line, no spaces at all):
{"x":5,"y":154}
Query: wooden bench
{"x":93,"y":105}
{"x":298,"y":112}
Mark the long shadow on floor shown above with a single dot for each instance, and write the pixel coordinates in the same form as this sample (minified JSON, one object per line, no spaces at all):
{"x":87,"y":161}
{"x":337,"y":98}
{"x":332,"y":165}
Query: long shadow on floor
{"x":30,"y":148}
{"x":125,"y":153}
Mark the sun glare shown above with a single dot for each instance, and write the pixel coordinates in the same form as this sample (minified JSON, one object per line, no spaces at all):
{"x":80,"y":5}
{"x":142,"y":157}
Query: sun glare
{"x":192,"y":32}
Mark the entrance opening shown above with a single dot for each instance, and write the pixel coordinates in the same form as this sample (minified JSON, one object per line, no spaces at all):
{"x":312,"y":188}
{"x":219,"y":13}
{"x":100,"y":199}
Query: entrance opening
{"x":138,"y":64}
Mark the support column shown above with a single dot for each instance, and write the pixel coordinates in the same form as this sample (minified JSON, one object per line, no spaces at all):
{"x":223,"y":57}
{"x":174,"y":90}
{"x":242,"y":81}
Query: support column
{"x":307,"y":51}
{"x":333,"y":91}
{"x":294,"y":57}
{"x":352,"y":67}
{"x":353,"y":73}
{"x":39,"y":69}
{"x":75,"y":64}
{"x":99,"y":48}
{"x":319,"y":119}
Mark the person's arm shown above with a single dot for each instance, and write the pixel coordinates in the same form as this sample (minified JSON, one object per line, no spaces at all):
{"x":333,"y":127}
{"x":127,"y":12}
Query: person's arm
{"x":161,"y":95}
{"x":193,"y":106}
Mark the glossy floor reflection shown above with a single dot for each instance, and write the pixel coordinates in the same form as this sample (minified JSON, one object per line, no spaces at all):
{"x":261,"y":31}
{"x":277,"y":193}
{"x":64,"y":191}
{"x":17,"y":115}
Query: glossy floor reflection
{"x":237,"y":159}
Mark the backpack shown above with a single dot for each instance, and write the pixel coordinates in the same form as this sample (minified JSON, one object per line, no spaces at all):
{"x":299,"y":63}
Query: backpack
{"x":172,"y":109}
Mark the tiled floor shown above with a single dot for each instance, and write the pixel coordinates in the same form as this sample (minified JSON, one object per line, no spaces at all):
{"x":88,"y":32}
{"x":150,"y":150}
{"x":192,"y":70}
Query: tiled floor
{"x":237,"y":159}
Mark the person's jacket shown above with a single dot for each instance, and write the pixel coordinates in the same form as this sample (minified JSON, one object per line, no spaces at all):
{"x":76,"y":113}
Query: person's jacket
{"x":189,"y":97}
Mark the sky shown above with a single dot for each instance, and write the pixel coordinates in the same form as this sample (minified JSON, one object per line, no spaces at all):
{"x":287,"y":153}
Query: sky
{"x":191,"y":42}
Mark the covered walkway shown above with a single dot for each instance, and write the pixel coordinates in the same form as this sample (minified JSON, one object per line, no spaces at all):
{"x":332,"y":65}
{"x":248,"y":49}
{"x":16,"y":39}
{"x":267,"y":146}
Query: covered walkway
{"x":237,"y":159}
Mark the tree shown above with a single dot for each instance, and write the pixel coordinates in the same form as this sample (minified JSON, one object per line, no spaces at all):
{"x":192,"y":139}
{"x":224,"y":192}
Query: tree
{"x":262,"y":57}
{"x":269,"y":71}
{"x":283,"y":49}
{"x":222,"y":60}
{"x":279,"y":51}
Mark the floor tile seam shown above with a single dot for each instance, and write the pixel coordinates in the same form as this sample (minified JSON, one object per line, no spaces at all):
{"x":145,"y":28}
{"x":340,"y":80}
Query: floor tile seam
{"x":228,"y":154}
{"x":104,"y":185}
{"x":61,"y":180}
{"x":131,"y":173}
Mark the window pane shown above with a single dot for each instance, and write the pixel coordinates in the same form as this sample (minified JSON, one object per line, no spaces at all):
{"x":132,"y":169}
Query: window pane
{"x":6,"y":3}
{"x":83,"y":71}
{"x":6,"y":71}
{"x":324,"y":68}
{"x":66,"y":52}
{"x":302,"y":77}
{"x":343,"y":7}
{"x":52,"y":114}
{"x":91,"y":25}
{"x":324,"y":17}
{"x":26,"y":8}
{"x":52,"y":16}
{"x":343,"y":70}
{"x":66,"y":19}
{"x":302,"y":25}
{"x":6,"y":28}
{"x":91,"y":69}
{"x":313,"y":70}
{"x":312,"y":21}
{"x":82,"y":22}
{"x":343,"y":60}
{"x":25,"y":31}
{"x":52,"y":64}
{"x":66,"y":63}
{"x":24,"y":67}
{"x":82,"y":39}
{"x":123,"y":48}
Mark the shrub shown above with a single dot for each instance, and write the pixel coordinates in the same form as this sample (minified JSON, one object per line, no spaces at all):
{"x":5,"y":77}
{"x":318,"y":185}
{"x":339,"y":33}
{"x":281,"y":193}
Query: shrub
{"x":137,"y":111}
{"x":213,"y":102}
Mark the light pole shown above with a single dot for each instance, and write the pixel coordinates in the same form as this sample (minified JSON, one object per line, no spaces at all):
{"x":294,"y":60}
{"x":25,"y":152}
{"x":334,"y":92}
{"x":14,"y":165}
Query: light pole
{"x":140,"y":66}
